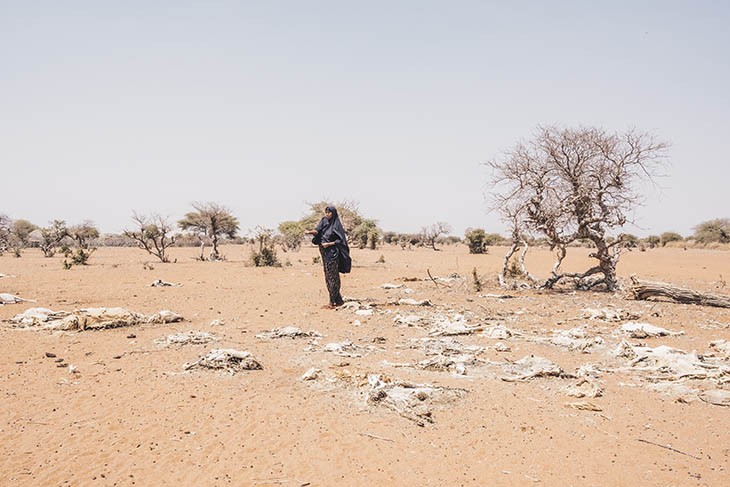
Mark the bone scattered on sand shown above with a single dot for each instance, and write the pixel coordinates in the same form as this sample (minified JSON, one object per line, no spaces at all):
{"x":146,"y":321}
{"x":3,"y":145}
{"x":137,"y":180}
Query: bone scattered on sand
{"x":89,"y":318}
{"x":227,"y":359}
{"x":717,"y":397}
{"x":343,"y":349}
{"x":311,"y":374}
{"x":412,"y":401}
{"x":288,"y":332}
{"x":6,"y":298}
{"x":608,"y":314}
{"x":646,"y":330}
{"x":667,"y":363}
{"x":414,"y":302}
{"x":583,"y":406}
{"x":189,"y":338}
{"x":530,"y":367}
{"x":455,"y":325}
{"x":161,"y":283}
{"x":584,"y":388}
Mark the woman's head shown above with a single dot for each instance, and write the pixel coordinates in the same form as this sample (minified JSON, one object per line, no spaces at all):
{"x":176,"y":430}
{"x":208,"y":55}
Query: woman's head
{"x":330,"y":212}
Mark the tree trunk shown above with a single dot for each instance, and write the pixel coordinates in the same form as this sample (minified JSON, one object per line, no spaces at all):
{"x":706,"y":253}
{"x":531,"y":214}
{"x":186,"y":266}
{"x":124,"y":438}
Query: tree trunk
{"x":505,"y":263}
{"x":642,"y":290}
{"x":607,"y":260}
{"x":214,"y":253}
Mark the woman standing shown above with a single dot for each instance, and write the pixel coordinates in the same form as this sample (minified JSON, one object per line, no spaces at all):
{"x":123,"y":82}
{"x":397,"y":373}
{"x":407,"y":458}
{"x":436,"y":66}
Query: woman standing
{"x":332,"y":241}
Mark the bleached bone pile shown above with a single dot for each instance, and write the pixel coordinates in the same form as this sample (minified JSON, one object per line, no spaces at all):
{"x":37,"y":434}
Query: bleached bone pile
{"x":189,"y":338}
{"x":412,"y":401}
{"x":530,"y":367}
{"x":6,"y":298}
{"x":584,"y":388}
{"x":452,"y":326}
{"x":288,"y":332}
{"x":35,"y":317}
{"x":227,"y":359}
{"x":667,"y":363}
{"x":721,"y":347}
{"x":452,"y":363}
{"x":88,"y":318}
{"x":574,"y":339}
{"x":499,"y":332}
{"x":359,"y":308}
{"x":608,"y":314}
{"x":408,"y":320}
{"x":443,"y":346}
{"x":646,"y":330}
{"x":344,"y":349}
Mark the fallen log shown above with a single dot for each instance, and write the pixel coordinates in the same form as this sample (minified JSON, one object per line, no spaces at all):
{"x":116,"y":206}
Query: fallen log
{"x":643,"y":290}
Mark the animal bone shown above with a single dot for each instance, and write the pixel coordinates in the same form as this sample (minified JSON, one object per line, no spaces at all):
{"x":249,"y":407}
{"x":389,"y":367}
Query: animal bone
{"x":288,"y":332}
{"x":190,"y":338}
{"x":90,"y":318}
{"x":161,"y":283}
{"x":414,"y":302}
{"x":228,"y":359}
{"x":607,"y":314}
{"x":718,"y":397}
{"x":530,"y":367}
{"x":645,"y":330}
{"x":6,"y":298}
{"x":584,"y":388}
{"x":457,"y":325}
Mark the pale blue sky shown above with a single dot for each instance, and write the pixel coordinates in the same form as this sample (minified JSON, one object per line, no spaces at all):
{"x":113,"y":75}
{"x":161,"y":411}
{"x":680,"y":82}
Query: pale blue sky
{"x":108,"y":107}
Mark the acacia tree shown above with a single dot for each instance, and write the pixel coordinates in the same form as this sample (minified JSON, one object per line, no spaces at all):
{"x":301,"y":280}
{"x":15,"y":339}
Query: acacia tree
{"x":292,"y":234}
{"x":362,"y":231}
{"x":348,"y":212}
{"x":571,"y":184}
{"x":152,"y":234}
{"x":5,"y":229}
{"x":431,"y":233}
{"x":19,"y":238}
{"x":83,"y":235}
{"x":475,"y":239}
{"x":266,"y":254}
{"x":366,"y":234}
{"x":717,"y":230}
{"x":212,"y":221}
{"x":52,"y":236}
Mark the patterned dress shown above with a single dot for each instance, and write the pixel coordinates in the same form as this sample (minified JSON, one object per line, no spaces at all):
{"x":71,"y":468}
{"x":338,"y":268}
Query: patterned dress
{"x":331,"y":276}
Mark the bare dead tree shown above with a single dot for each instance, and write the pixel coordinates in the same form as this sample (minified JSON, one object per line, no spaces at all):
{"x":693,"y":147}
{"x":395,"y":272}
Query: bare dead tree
{"x":431,"y":233}
{"x":153,"y":234}
{"x":572,"y":184}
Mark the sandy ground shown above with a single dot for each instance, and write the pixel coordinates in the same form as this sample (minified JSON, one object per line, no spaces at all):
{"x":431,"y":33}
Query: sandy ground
{"x":132,"y":415}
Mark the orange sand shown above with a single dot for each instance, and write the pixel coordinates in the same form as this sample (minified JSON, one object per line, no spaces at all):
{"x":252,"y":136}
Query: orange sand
{"x":142,"y":420}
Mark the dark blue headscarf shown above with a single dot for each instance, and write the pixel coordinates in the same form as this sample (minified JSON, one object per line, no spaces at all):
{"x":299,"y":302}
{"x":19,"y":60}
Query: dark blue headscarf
{"x":331,"y":230}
